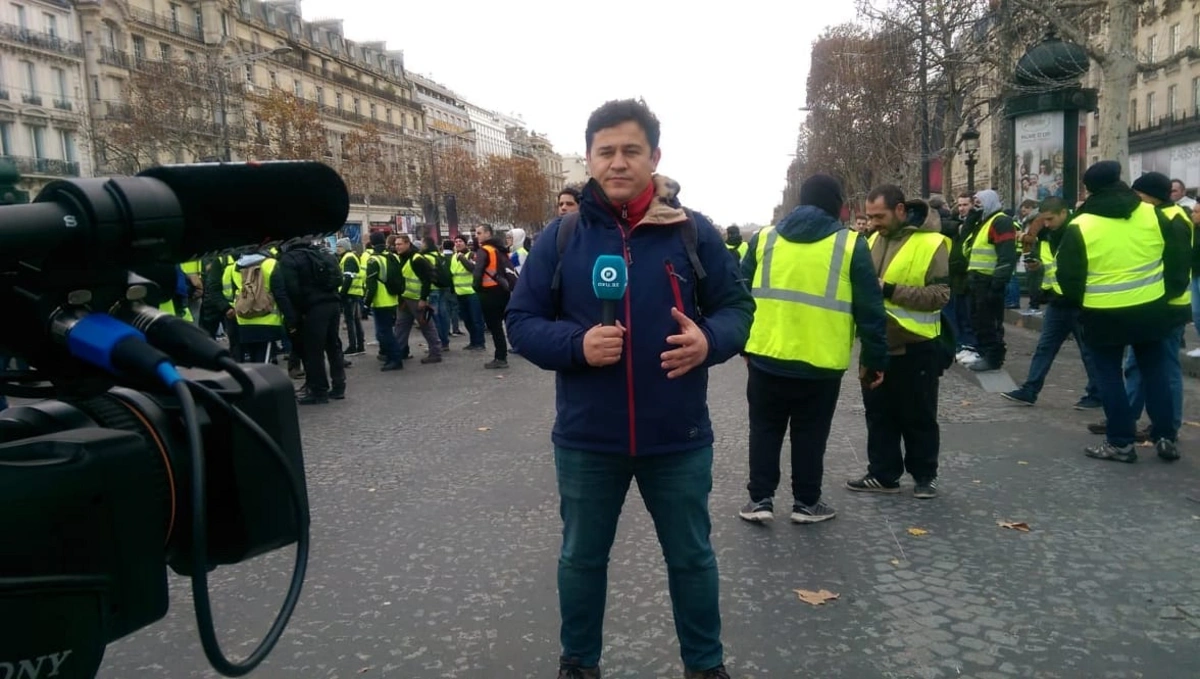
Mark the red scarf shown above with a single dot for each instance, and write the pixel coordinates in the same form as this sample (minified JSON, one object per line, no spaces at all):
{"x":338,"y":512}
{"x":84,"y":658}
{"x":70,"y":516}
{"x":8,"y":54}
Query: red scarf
{"x":636,"y":209}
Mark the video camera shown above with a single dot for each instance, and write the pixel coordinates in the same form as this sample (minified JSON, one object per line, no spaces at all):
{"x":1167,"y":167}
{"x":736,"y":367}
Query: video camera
{"x":153,"y":447}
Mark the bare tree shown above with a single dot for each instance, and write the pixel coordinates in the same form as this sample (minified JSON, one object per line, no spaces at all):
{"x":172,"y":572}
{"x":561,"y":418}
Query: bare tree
{"x":288,"y":128}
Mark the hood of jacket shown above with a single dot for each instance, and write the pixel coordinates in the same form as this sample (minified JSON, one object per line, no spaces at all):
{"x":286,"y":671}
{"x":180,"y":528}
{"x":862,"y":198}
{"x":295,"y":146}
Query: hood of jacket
{"x":1117,"y":202}
{"x":518,"y":236}
{"x":664,"y":206}
{"x":250,"y":259}
{"x":808,"y":224}
{"x":990,"y":200}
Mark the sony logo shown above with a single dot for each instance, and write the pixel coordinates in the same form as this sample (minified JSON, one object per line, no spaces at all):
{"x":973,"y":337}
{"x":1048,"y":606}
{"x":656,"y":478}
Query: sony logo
{"x":41,"y":666}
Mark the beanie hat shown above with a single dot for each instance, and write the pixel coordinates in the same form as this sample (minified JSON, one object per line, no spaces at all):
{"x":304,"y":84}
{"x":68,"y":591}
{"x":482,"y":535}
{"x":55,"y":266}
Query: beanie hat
{"x":378,"y":238}
{"x":1154,"y":184}
{"x":823,"y":191}
{"x":344,"y":243}
{"x":1102,"y":175}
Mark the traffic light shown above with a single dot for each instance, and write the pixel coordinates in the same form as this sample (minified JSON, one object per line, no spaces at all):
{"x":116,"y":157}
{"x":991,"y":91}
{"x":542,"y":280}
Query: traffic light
{"x":10,"y":193}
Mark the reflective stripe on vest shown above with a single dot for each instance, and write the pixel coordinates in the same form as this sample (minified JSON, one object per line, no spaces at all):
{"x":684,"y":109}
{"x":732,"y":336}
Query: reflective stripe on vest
{"x":273,"y":318}
{"x":358,"y":282}
{"x":412,"y":282}
{"x":803,"y":297}
{"x":982,"y":254}
{"x":383,"y":299}
{"x":1173,"y":211}
{"x":1124,"y":259}
{"x":464,"y":278}
{"x":1049,"y":268}
{"x":910,"y":267}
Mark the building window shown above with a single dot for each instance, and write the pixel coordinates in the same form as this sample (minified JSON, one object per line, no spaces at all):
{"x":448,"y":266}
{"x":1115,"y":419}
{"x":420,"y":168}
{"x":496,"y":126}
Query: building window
{"x":60,"y":82}
{"x":1150,"y":117}
{"x":1172,"y":100}
{"x":139,"y":47}
{"x":37,"y":135}
{"x":357,"y":106}
{"x":337,"y":100}
{"x":51,"y":25}
{"x":175,"y":17}
{"x":21,"y":21}
{"x":30,"y":77}
{"x":1173,"y":40}
{"x":67,"y":139}
{"x":164,"y":51}
{"x":250,"y":74}
{"x":1151,"y":47}
{"x":321,"y":96}
{"x":1133,"y":117}
{"x":1195,"y":95}
{"x":110,"y":37}
{"x":96,"y":88}
{"x":273,"y":80}
{"x":372,"y":111}
{"x":224,"y":24}
{"x":191,"y":56}
{"x":255,"y":41}
{"x":6,"y":145}
{"x":1196,"y":31}
{"x":389,"y":116}
{"x":298,"y":88}
{"x":199,"y":21}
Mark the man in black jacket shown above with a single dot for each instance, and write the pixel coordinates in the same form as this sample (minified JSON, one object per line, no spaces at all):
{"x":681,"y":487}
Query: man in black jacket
{"x":311,"y":310}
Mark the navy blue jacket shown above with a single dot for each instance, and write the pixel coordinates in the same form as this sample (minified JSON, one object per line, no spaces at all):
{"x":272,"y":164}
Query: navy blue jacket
{"x":630,"y":408}
{"x":808,"y":224}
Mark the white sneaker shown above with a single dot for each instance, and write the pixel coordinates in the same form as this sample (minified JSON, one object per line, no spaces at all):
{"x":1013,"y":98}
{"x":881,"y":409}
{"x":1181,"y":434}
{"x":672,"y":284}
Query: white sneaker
{"x":962,"y":354}
{"x":971,"y":358}
{"x":1194,"y":353}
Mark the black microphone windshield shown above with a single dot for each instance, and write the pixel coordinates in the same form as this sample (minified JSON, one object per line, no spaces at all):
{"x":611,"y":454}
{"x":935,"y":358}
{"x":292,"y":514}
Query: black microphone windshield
{"x":232,"y":204}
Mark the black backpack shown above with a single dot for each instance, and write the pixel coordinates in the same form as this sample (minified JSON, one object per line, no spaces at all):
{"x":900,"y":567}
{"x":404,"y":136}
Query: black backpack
{"x":393,"y":275}
{"x":441,"y":270}
{"x":566,"y":229}
{"x":325,"y":272}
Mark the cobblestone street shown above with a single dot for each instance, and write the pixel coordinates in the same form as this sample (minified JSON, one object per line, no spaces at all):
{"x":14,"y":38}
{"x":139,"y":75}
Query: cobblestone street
{"x":435,"y":538}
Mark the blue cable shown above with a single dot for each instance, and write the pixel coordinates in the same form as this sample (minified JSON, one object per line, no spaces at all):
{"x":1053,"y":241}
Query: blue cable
{"x":120,"y":349}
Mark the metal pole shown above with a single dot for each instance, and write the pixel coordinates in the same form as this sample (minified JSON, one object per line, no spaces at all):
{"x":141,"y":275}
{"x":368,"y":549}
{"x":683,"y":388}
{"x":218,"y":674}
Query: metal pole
{"x":923,"y":67}
{"x":224,"y":112}
{"x":971,"y":172}
{"x":437,"y":209}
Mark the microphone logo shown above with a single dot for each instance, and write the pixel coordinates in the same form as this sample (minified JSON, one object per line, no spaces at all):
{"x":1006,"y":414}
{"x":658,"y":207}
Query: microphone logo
{"x":608,"y":274}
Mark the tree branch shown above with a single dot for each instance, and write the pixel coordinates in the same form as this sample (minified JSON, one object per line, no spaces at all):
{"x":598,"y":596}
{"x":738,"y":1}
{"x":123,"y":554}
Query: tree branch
{"x":1051,"y":13}
{"x":1154,"y":66}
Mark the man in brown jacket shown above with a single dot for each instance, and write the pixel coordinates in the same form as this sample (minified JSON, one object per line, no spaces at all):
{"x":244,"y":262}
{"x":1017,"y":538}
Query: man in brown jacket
{"x":912,"y":258}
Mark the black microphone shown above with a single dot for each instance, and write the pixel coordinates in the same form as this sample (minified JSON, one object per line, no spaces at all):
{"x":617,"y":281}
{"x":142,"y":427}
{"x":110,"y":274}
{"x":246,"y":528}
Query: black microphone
{"x":609,"y":279}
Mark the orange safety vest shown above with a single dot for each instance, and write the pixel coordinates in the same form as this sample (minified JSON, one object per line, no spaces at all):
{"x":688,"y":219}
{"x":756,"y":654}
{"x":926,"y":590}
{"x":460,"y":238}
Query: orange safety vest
{"x":489,"y":278}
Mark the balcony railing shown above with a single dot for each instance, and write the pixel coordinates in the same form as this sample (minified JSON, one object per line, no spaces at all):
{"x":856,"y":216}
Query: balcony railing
{"x":114,"y":57}
{"x":31,"y":99}
{"x":44,"y":166}
{"x":361,"y":86}
{"x":166,"y":23}
{"x":62,"y":105}
{"x":44,"y":41}
{"x":379,"y":199}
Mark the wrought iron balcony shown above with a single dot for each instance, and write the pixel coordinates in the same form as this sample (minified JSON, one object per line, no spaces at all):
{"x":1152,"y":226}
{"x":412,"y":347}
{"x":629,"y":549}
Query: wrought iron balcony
{"x":39,"y":40}
{"x":44,"y":166}
{"x":31,"y":99}
{"x":62,"y":105}
{"x":114,"y":57}
{"x":165,"y":22}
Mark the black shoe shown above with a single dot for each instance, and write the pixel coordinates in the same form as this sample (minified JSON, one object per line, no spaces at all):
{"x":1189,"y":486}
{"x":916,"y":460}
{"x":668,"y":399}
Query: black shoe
{"x":758,"y":512}
{"x":496,"y":365}
{"x":445,"y":347}
{"x":1107,"y":451}
{"x":311,"y":399}
{"x":296,"y":373}
{"x":1167,"y":450}
{"x":391,"y":365}
{"x":346,"y":364}
{"x":475,"y":347}
{"x":802,"y":513}
{"x":718,"y":672}
{"x":337,"y":393}
{"x":381,"y":358}
{"x":926,"y":490}
{"x":870,"y":484}
{"x":1088,"y":403}
{"x":568,"y":668}
{"x":1020,"y":396}
{"x":356,"y":351}
{"x":431,"y":359}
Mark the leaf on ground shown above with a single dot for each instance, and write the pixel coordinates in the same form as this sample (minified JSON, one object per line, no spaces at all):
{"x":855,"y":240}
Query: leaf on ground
{"x":817,"y":598}
{"x":1022,"y":462}
{"x":365,"y":670}
{"x":976,"y":481}
{"x":1015,"y":525}
{"x":1191,"y":424}
{"x":1145,"y":444}
{"x":485,"y":429}
{"x":499,"y":377}
{"x":966,"y":403}
{"x":917,"y":531}
{"x":895,"y":562}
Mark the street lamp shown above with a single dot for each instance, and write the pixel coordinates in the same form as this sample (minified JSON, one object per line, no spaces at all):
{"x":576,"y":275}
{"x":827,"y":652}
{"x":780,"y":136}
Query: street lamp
{"x":230,"y":64}
{"x":437,"y":209}
{"x":970,"y":144}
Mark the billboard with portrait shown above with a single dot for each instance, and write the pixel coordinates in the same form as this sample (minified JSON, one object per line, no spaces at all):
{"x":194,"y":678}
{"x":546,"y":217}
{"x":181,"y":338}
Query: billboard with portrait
{"x":1038,"y":157}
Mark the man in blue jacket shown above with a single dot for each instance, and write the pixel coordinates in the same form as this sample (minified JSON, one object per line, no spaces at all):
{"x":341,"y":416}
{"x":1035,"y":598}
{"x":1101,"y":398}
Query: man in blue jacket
{"x":632,"y":398}
{"x":814,"y":282}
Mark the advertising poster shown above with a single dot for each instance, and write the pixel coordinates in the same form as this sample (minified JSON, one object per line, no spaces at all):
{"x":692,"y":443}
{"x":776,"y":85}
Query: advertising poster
{"x":1039,"y":157}
{"x":1177,"y":162}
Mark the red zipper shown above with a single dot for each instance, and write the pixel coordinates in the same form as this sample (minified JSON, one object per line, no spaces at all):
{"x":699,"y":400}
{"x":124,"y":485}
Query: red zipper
{"x":674,"y":278}
{"x":629,"y":345}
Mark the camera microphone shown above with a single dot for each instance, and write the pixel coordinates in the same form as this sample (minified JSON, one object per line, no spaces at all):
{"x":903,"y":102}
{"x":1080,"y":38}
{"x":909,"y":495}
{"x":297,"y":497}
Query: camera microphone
{"x":609,"y":280}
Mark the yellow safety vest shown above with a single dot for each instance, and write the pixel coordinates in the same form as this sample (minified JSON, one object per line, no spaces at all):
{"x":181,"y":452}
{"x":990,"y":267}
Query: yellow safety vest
{"x":273,"y":318}
{"x":383,"y":299}
{"x":464,"y":278}
{"x":910,"y":267}
{"x":804,"y":300}
{"x":1173,"y":211}
{"x":412,"y":282}
{"x":1049,"y":268}
{"x":1125,"y":266}
{"x":227,"y":289}
{"x":191,"y":267}
{"x":169,"y":307}
{"x":358,"y":283}
{"x":981,"y":253}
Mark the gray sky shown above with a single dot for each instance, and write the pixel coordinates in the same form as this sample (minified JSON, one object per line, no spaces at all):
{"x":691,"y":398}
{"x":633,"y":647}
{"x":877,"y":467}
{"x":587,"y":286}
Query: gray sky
{"x":725,"y":81}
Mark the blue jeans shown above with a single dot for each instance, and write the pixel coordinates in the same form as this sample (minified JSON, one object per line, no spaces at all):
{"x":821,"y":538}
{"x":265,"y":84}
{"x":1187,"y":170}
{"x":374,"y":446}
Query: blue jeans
{"x":1134,"y":390}
{"x":959,"y":312}
{"x":675,"y":489}
{"x":452,"y":313}
{"x":441,"y":320}
{"x":385,"y":322}
{"x":471,"y":312}
{"x":1196,"y":302}
{"x":1121,"y":420}
{"x":1057,"y":324}
{"x":1012,"y":294}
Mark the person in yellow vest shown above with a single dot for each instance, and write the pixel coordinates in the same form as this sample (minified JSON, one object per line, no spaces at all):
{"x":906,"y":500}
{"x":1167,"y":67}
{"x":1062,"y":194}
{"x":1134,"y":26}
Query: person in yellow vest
{"x":382,"y":296}
{"x":462,"y":270}
{"x":991,"y":261}
{"x":260,"y":324}
{"x":912,"y":260}
{"x":734,"y":243}
{"x":1122,"y":260}
{"x":1061,"y":317}
{"x":813,"y":284}
{"x":414,"y":305}
{"x":354,"y":281}
{"x":193,"y":271}
{"x":1155,"y":188}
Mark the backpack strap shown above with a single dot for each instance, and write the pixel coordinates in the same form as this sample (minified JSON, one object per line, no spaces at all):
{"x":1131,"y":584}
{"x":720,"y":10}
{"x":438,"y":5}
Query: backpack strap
{"x":566,"y":229}
{"x":691,"y":238}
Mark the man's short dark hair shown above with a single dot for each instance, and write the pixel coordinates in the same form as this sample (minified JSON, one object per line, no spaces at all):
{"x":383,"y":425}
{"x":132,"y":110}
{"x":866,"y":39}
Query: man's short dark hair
{"x":404,"y":237}
{"x":1029,"y":203}
{"x":1053,"y":205}
{"x":618,"y":111}
{"x":1180,"y":183}
{"x":966,"y":194}
{"x":572,"y":192}
{"x":891,"y":194}
{"x":487,"y":228}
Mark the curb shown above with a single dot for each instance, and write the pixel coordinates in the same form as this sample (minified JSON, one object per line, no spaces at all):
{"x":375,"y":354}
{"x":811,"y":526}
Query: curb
{"x":1191,"y":366}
